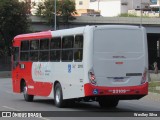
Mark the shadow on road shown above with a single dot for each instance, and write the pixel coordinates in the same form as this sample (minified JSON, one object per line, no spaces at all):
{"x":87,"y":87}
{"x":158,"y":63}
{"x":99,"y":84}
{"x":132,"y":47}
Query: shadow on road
{"x":82,"y":106}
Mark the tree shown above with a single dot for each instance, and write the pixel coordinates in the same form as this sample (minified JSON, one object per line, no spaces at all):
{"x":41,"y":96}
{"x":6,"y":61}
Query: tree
{"x":13,"y":20}
{"x":65,"y":10}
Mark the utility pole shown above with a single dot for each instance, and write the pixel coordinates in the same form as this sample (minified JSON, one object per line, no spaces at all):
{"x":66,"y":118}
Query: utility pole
{"x":55,"y":14}
{"x":98,"y":4}
{"x":159,"y":8}
{"x":141,"y":14}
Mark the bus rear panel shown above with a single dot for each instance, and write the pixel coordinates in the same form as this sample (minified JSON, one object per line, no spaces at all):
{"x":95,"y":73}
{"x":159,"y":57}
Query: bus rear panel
{"x":120,"y":63}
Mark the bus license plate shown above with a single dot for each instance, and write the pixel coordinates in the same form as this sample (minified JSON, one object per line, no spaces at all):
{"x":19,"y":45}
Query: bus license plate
{"x":121,"y":91}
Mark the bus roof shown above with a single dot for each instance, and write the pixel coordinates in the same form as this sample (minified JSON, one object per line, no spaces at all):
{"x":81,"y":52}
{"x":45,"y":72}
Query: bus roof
{"x":77,"y":30}
{"x":45,"y":34}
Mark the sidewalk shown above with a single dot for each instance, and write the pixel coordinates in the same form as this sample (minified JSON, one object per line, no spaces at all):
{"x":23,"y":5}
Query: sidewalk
{"x":153,"y":96}
{"x":155,"y":77}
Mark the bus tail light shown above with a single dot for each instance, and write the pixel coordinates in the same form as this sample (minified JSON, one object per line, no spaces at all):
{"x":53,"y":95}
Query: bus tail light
{"x":92,"y":77}
{"x":144,"y":76}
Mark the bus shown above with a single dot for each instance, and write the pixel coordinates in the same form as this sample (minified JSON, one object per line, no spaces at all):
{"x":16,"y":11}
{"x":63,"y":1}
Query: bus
{"x":105,"y":63}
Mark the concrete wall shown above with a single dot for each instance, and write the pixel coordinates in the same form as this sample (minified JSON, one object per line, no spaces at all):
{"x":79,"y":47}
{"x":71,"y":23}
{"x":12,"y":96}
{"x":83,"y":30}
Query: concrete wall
{"x":117,"y":20}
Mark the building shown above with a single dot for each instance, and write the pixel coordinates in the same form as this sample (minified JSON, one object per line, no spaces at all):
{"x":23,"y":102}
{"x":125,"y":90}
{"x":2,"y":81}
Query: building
{"x":82,"y":7}
{"x":111,"y":8}
{"x":82,"y":4}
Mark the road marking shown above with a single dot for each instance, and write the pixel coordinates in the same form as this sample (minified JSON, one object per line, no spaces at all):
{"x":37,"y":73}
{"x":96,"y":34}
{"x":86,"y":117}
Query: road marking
{"x":44,"y":118}
{"x":10,"y":108}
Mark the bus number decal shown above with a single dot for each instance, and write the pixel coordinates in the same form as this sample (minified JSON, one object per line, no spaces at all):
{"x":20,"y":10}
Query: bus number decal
{"x":80,"y":66}
{"x":69,"y":68}
{"x":119,"y":91}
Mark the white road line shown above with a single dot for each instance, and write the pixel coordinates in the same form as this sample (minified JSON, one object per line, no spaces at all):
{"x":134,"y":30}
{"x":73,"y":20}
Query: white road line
{"x":10,"y":108}
{"x":44,"y":118}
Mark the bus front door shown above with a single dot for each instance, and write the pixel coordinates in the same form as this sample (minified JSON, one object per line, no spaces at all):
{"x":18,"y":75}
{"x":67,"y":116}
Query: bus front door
{"x":15,"y":69}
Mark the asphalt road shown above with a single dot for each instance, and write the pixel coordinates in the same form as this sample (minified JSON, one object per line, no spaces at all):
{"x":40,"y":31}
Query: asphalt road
{"x":10,"y":101}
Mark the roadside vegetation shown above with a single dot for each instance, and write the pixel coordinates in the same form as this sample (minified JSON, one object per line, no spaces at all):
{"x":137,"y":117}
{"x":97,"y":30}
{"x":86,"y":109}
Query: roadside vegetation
{"x":154,"y":86}
{"x":131,"y":15}
{"x":65,"y":11}
{"x":13,"y":21}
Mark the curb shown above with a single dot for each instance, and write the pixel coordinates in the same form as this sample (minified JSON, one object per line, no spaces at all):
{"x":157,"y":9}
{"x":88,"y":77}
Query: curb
{"x":152,"y":93}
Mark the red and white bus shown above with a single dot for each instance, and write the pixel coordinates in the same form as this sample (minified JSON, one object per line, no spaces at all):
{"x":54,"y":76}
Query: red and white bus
{"x":104,"y":63}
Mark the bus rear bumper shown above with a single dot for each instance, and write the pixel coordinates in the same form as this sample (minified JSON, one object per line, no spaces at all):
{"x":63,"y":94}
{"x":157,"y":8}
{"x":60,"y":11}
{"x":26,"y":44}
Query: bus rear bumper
{"x":91,"y":90}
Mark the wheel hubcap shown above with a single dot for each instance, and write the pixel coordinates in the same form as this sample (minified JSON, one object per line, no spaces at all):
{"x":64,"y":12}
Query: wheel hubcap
{"x":57,"y":95}
{"x":25,"y":90}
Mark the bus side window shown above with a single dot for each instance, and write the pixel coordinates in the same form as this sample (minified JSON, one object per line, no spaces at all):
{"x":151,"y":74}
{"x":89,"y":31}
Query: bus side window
{"x":24,"y":54}
{"x":55,"y":49}
{"x":44,"y":44}
{"x":67,"y":48}
{"x":78,"y":48}
{"x":44,"y":50}
{"x":34,"y":47}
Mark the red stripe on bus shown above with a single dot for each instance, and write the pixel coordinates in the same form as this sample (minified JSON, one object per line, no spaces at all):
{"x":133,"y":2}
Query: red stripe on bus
{"x":130,"y":90}
{"x":119,"y":63}
{"x":31,"y":36}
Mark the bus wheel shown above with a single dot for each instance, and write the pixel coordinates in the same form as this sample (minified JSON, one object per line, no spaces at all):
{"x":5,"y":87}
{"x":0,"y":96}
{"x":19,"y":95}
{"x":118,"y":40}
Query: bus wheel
{"x":108,"y":103}
{"x":28,"y":98}
{"x":58,"y":96}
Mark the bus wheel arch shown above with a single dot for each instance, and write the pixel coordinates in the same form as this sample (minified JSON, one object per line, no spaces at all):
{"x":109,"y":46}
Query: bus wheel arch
{"x":24,"y":90}
{"x":22,"y":82}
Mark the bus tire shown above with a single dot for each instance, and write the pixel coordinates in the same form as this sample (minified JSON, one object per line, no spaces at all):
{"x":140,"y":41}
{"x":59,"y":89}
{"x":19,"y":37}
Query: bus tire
{"x":27,"y":97}
{"x":108,"y":103}
{"x":58,"y":96}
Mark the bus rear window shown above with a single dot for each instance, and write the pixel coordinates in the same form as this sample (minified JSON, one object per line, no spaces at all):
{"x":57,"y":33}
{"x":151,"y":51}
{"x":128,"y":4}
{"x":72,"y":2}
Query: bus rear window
{"x":118,"y":40}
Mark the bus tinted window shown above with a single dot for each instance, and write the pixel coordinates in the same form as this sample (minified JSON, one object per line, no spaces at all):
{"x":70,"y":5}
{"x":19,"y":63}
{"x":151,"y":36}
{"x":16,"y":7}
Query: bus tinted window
{"x":55,"y":55}
{"x":34,"y":45}
{"x":67,"y":42}
{"x":44,"y":44}
{"x":24,"y":56}
{"x":78,"y":41}
{"x":34,"y":55}
{"x":67,"y":48}
{"x":24,"y":45}
{"x":44,"y":56}
{"x":78,"y":48}
{"x":78,"y":55}
{"x":55,"y":43}
{"x":67,"y":55}
{"x":55,"y":46}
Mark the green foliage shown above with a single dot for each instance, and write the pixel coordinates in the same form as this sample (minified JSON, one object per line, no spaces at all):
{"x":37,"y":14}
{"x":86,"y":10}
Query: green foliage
{"x":153,"y":86}
{"x":65,"y":10}
{"x":132,"y":15}
{"x":13,"y":20}
{"x":127,"y":15}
